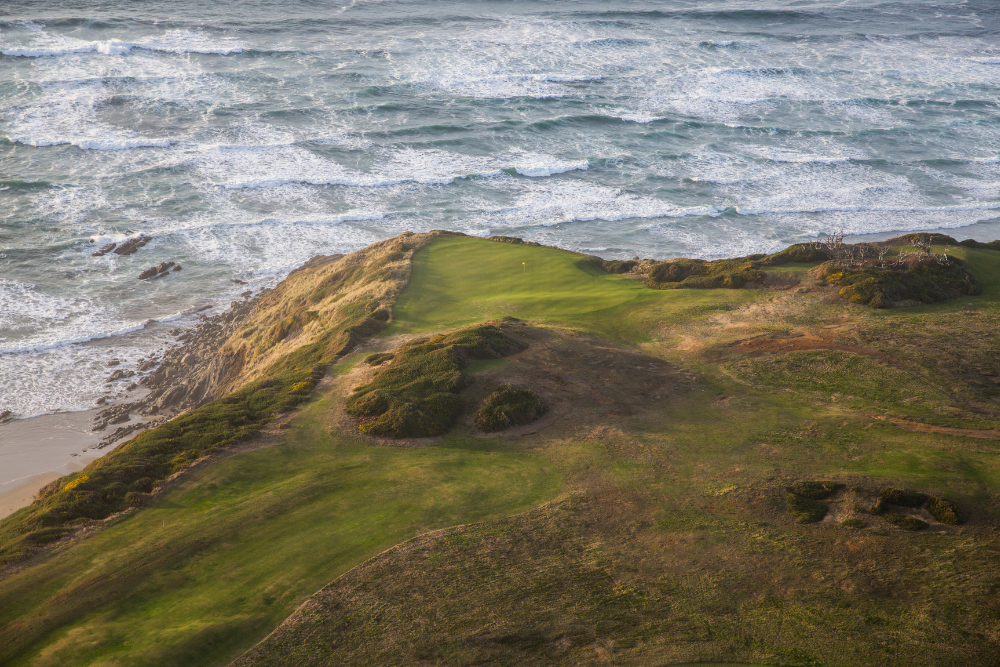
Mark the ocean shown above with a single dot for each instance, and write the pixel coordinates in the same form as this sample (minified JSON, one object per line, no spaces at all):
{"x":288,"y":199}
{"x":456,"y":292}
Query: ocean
{"x":245,"y":137}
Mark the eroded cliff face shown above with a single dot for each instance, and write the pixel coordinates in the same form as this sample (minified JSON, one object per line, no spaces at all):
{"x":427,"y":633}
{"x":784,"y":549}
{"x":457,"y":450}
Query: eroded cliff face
{"x":312,"y":304}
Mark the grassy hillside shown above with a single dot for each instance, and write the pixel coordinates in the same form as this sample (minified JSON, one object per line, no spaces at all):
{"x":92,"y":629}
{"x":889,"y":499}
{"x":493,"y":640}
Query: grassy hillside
{"x":643,"y":518}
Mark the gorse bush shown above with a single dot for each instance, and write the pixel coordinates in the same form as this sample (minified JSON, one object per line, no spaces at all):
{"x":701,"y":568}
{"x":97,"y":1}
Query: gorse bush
{"x":906,"y":522}
{"x":924,"y":281}
{"x":417,"y":395}
{"x":943,"y":511}
{"x":815,"y":490}
{"x":902,"y":497}
{"x":509,"y":405}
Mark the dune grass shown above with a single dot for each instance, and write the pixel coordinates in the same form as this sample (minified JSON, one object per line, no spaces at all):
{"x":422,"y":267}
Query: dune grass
{"x":215,"y":563}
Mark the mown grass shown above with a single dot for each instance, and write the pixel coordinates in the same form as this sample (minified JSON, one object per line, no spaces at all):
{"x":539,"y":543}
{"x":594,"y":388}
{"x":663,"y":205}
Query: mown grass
{"x":212,"y":565}
{"x":462,"y":280}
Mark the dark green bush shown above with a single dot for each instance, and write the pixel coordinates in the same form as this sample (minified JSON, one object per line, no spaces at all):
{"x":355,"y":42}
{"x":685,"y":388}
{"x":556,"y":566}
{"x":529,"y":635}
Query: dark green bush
{"x":800,"y":252}
{"x":815,"y":490}
{"x":856,"y":524}
{"x":931,"y":237}
{"x":416,"y":396}
{"x":906,"y":522}
{"x":806,"y":510}
{"x":902,"y":497}
{"x":618,"y":265}
{"x":509,"y":405}
{"x":943,"y":511}
{"x":989,"y":245}
{"x":378,"y":358}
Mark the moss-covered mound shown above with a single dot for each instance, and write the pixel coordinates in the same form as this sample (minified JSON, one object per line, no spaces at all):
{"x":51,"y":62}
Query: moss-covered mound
{"x":416,"y":395}
{"x":815,"y":490}
{"x":509,"y":405}
{"x":923,"y":280}
{"x":806,"y":510}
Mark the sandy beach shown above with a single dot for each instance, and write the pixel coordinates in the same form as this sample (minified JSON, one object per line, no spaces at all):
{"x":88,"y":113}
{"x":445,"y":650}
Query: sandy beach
{"x":35,"y":451}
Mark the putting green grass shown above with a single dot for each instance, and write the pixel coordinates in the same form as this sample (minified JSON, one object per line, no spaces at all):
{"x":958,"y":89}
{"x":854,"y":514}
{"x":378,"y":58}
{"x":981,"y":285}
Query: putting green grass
{"x":217,"y":562}
{"x":459,"y":280}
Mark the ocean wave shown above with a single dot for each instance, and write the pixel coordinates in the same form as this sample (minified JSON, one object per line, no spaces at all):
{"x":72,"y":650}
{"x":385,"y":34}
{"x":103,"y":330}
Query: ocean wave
{"x":94,"y":143}
{"x":174,"y":41}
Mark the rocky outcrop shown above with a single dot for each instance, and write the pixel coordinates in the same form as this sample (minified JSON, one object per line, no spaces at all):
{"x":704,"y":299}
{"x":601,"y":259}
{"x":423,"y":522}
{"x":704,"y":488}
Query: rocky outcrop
{"x":160,"y":270}
{"x":104,"y":250}
{"x":133,"y":244}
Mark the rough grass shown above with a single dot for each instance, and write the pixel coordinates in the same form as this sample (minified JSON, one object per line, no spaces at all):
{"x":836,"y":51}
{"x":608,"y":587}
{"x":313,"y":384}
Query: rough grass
{"x":417,"y":395}
{"x":508,"y":405}
{"x":836,"y":375}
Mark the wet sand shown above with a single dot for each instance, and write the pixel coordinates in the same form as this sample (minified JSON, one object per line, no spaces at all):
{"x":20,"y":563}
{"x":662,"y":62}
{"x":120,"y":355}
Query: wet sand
{"x":35,"y":451}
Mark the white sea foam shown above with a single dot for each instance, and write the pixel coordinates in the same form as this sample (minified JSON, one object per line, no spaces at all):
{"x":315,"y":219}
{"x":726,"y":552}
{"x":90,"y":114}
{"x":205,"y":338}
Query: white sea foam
{"x":46,"y":45}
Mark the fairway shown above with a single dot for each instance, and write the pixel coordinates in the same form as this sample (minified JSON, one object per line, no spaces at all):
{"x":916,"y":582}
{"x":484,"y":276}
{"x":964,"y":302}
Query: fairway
{"x":459,"y":280}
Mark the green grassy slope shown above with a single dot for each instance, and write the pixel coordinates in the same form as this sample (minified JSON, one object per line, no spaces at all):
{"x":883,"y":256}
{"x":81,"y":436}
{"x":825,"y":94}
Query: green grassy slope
{"x":218,"y":561}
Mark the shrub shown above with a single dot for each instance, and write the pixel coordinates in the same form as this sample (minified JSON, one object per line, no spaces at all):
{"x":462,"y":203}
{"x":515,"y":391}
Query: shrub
{"x":378,"y":358}
{"x":906,"y":522}
{"x":508,"y":406}
{"x":806,"y":510}
{"x":924,"y":280}
{"x":856,"y":524}
{"x":416,"y":396}
{"x":901,"y":497}
{"x":943,"y":511}
{"x":815,"y":490}
{"x":989,"y":245}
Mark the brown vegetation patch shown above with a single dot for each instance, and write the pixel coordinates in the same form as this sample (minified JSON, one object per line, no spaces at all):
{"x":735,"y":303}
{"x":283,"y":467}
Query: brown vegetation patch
{"x":796,"y":341}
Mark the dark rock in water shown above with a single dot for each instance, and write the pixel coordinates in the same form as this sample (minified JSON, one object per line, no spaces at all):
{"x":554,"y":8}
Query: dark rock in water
{"x":6,"y":416}
{"x":104,"y":250}
{"x":238,"y":282}
{"x":101,"y":401}
{"x":118,"y":375}
{"x":113,"y":362}
{"x":176,"y":268}
{"x":132,"y":244}
{"x":247,"y":294}
{"x":156,"y":271}
{"x":132,"y":387}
